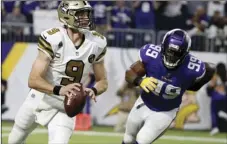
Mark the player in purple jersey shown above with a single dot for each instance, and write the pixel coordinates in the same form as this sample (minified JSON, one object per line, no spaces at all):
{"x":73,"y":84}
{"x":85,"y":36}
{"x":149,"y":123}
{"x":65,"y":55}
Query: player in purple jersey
{"x":164,"y":72}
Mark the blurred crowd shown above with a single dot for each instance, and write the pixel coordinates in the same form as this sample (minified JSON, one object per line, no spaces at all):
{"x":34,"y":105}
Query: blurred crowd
{"x":197,"y":17}
{"x":217,"y":91}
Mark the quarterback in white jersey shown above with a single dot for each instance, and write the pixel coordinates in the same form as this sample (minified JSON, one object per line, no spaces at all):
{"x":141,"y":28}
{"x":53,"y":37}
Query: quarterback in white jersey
{"x":66,"y":57}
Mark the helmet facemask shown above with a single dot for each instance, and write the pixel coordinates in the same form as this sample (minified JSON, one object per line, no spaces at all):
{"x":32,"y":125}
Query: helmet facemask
{"x":76,"y":15}
{"x":83,"y":19}
{"x":175,"y":47}
{"x":172,"y":57}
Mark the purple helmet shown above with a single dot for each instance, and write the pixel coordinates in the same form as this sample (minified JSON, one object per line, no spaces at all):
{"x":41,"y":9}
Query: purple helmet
{"x":175,"y":46}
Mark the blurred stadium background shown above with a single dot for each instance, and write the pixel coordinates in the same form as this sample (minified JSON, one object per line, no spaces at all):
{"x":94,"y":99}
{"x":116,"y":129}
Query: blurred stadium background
{"x":127,"y":25}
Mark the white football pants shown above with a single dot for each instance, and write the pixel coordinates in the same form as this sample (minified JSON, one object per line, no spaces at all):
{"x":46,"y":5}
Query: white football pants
{"x":144,"y":126}
{"x":60,"y":126}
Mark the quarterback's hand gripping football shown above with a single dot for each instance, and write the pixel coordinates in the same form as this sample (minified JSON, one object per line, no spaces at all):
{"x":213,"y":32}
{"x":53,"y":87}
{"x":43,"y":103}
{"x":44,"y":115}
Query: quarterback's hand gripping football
{"x":149,"y":84}
{"x":91,"y":94}
{"x":69,"y":90}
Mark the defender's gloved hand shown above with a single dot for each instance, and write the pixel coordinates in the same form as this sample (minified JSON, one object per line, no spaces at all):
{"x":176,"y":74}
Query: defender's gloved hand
{"x":149,"y":84}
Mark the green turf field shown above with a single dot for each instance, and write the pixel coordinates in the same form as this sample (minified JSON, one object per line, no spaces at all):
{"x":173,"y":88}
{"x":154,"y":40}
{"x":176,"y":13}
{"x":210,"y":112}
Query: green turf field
{"x":105,"y":135}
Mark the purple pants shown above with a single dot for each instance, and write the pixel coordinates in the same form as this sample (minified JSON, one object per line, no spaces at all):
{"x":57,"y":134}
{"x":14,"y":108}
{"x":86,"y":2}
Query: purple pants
{"x":216,"y":99}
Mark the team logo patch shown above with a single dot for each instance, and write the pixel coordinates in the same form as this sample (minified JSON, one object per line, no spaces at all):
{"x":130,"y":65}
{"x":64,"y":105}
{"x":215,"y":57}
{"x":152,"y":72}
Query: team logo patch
{"x":91,"y":58}
{"x":60,"y":45}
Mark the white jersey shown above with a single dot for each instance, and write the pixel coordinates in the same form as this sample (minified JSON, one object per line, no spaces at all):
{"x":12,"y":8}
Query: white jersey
{"x":69,"y":64}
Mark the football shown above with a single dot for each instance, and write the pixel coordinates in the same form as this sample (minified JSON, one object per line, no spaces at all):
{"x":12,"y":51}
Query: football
{"x":75,"y":105}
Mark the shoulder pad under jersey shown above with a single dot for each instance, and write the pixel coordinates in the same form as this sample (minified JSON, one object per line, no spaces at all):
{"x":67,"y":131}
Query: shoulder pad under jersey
{"x":96,"y":38}
{"x":196,"y":66}
{"x":149,"y":52}
{"x":50,"y":40}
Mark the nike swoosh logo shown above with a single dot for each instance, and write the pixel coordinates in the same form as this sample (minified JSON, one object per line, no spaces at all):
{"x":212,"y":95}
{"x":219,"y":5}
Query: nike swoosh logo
{"x":44,"y":37}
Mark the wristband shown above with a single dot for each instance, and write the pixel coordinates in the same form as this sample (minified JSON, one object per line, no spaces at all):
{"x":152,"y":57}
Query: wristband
{"x":94,"y":90}
{"x":56,"y":90}
{"x":137,"y":81}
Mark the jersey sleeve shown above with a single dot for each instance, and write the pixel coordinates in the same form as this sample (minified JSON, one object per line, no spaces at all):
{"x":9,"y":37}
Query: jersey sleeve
{"x":201,"y":72}
{"x":101,"y":55}
{"x":142,"y":54}
{"x":48,"y":42}
{"x":45,"y":46}
{"x":101,"y":43}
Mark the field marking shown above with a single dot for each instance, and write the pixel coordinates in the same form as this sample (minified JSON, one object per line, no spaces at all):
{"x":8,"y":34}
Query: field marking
{"x":114,"y":134}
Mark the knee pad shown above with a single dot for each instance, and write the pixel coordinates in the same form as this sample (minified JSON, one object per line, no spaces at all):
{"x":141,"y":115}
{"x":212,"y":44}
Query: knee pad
{"x":25,"y":118}
{"x":129,"y":139}
{"x":60,"y":128}
{"x":143,"y":139}
{"x":17,"y":135}
{"x":60,"y":135}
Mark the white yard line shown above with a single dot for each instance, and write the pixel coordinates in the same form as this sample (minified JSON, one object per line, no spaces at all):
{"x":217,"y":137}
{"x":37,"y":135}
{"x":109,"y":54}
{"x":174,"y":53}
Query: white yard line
{"x":113,"y":134}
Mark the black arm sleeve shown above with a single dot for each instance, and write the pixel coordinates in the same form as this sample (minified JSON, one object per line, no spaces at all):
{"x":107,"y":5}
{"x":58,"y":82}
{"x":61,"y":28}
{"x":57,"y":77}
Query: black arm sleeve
{"x":210,"y":70}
